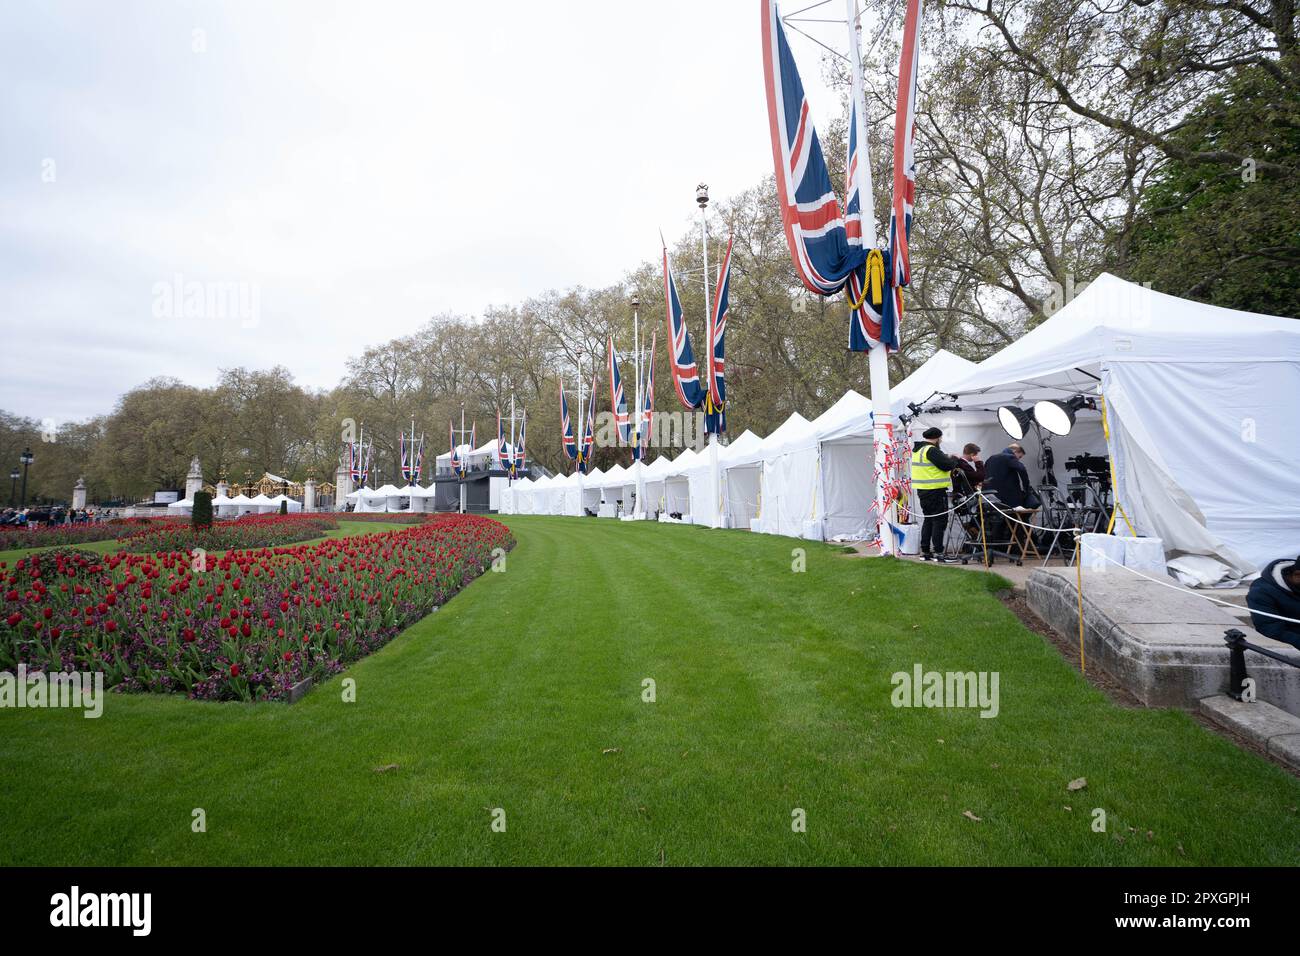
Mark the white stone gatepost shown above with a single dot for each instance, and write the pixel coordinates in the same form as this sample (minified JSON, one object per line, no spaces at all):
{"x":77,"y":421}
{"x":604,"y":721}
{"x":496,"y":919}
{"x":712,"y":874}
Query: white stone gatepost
{"x":194,"y":480}
{"x":79,"y":495}
{"x":342,"y":488}
{"x":309,"y":495}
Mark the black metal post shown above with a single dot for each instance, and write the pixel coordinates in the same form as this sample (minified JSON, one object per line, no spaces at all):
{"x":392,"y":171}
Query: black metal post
{"x":1237,"y":676}
{"x":26,"y":459}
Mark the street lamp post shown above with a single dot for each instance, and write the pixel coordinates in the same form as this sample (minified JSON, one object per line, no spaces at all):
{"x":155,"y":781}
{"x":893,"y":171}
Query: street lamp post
{"x":13,"y":486}
{"x":27,"y":459}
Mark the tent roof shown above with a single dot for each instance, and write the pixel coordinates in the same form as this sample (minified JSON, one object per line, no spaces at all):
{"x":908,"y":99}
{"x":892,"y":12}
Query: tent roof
{"x":463,"y":449}
{"x":682,"y":462}
{"x":793,"y":431}
{"x":260,"y":500}
{"x":658,"y":466}
{"x":936,"y":374}
{"x":1112,"y":320}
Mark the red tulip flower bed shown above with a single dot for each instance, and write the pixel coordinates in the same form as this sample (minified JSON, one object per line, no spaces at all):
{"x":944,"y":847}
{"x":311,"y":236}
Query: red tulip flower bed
{"x":43,"y":536}
{"x":251,"y":626}
{"x":250,"y":531}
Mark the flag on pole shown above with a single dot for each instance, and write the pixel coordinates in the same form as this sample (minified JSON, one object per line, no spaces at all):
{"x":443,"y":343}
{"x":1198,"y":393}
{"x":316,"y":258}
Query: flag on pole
{"x":519,"y":449}
{"x":900,"y":216}
{"x":867,"y":287}
{"x":617,"y":400}
{"x":715,"y":421}
{"x":588,"y":430}
{"x":566,"y":427}
{"x":681,"y":358}
{"x":404,"y":464}
{"x":503,"y":456}
{"x":418,"y":469}
{"x":648,"y":405}
{"x":823,"y":251}
{"x":455,"y":454}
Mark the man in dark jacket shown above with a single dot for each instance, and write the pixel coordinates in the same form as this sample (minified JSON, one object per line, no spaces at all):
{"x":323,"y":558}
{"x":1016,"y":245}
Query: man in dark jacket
{"x":932,"y":477}
{"x":1277,"y":591}
{"x":1007,"y":477}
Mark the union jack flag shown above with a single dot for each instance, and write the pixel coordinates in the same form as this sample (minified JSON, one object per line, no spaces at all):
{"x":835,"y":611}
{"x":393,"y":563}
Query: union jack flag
{"x":716,"y":417}
{"x":566,"y":427}
{"x":503,"y":455}
{"x":455,"y":454}
{"x":589,"y":429}
{"x":519,"y":449}
{"x":418,"y":468}
{"x":648,"y":406}
{"x":354,"y":473}
{"x":617,"y":400}
{"x":681,"y":358}
{"x":821,"y":245}
{"x":867,"y":287}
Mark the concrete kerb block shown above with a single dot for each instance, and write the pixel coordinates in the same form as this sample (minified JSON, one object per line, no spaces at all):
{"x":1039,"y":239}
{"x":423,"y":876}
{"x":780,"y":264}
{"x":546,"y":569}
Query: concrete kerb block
{"x":1164,"y":646}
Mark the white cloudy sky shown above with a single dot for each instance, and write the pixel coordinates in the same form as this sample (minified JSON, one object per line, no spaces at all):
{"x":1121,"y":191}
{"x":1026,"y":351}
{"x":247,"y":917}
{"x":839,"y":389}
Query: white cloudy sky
{"x":362,"y":165}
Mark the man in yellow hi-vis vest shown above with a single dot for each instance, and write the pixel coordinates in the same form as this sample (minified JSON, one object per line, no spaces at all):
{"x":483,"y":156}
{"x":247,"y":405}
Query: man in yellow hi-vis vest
{"x":932,"y":477}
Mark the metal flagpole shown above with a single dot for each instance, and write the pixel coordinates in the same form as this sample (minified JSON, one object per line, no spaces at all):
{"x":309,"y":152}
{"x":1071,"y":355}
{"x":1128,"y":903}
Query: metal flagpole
{"x":638,"y":454}
{"x":702,"y":197}
{"x":510,"y":471}
{"x":878,"y":357}
{"x":464,"y":492}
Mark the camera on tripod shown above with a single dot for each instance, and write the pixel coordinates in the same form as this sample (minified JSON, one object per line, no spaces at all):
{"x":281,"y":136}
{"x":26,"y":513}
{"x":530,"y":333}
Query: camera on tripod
{"x":1090,"y":467}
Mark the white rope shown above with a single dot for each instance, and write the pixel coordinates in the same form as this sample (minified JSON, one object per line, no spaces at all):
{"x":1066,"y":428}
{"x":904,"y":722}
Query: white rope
{"x":939,"y":514}
{"x":1183,"y":590}
{"x":1038,"y":527}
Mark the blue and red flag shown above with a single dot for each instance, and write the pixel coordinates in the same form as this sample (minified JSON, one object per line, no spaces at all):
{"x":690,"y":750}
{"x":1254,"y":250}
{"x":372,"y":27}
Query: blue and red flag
{"x":817,"y":233}
{"x":715,"y":406}
{"x":417,"y":468}
{"x":519,"y":449}
{"x":566,"y":427}
{"x":681,"y":358}
{"x":456,"y":462}
{"x":503,"y":456}
{"x":589,"y":429}
{"x":647,"y":412}
{"x":617,"y":399}
{"x":867,"y":287}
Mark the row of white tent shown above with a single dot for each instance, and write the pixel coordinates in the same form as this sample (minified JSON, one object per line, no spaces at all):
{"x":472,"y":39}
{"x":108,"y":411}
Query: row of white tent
{"x":241,"y":504}
{"x":1200,"y":426}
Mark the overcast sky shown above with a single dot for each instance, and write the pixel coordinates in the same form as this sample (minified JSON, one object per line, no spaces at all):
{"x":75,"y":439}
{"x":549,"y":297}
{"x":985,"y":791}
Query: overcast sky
{"x":355,"y":167}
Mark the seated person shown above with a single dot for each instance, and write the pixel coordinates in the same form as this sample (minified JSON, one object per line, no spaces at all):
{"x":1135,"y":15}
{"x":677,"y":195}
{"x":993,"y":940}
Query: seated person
{"x":1277,"y":591}
{"x":969,"y":473}
{"x":1007,"y":477}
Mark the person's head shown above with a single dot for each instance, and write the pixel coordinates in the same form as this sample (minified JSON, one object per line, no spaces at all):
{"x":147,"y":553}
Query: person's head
{"x":932,"y":435}
{"x":971,"y":449}
{"x":1017,"y":450}
{"x":1292,"y":575}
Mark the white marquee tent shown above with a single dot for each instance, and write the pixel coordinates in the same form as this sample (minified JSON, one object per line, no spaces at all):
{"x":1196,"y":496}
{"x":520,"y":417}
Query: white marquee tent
{"x":1200,"y":403}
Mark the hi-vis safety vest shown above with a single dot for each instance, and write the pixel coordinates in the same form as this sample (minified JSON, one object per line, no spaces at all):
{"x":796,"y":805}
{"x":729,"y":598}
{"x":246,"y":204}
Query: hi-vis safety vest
{"x":925,"y":476}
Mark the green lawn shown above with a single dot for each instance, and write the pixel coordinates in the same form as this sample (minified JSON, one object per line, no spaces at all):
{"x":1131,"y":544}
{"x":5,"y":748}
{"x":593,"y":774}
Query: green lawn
{"x":773,"y":693}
